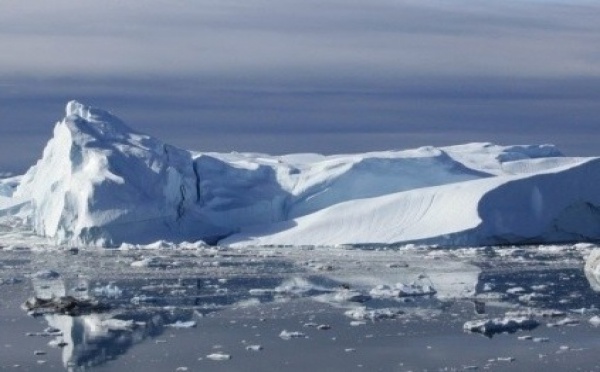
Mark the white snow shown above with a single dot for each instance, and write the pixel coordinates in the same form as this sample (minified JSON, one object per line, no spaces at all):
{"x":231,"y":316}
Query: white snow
{"x":101,"y":183}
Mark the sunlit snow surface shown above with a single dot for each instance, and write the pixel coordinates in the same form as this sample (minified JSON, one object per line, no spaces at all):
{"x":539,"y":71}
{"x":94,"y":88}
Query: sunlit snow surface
{"x":101,"y":183}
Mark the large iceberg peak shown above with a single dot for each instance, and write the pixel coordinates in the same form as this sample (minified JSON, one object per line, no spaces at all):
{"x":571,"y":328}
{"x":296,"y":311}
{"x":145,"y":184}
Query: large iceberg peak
{"x":86,"y":121}
{"x":77,"y":109}
{"x":98,"y":181}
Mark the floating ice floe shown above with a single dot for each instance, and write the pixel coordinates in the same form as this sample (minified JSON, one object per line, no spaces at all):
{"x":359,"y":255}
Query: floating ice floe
{"x":595,"y":321}
{"x":149,"y":262}
{"x":218,"y":356}
{"x":348,"y":295}
{"x":62,"y":305}
{"x":362,"y":313}
{"x":113,"y":324}
{"x":489,"y":327}
{"x":182,"y":324}
{"x":532,"y":312}
{"x":288,"y":335}
{"x":401,"y":290}
{"x":564,"y":322}
{"x":294,"y":287}
{"x":110,"y":290}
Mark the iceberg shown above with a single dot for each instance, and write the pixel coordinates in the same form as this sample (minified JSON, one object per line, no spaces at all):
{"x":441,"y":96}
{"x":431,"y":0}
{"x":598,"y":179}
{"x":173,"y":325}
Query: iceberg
{"x":101,"y":183}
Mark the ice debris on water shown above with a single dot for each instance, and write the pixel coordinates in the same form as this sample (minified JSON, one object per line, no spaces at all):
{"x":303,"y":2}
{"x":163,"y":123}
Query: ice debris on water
{"x":147,"y":262}
{"x":57,"y":343}
{"x":67,"y":305}
{"x":348,"y":295}
{"x":544,"y":313}
{"x":254,"y":347}
{"x":362,"y":313}
{"x":595,"y":320}
{"x":181,"y":324}
{"x":489,"y":327}
{"x":288,"y":335}
{"x":401,"y":290}
{"x":564,"y":322}
{"x":110,"y":290}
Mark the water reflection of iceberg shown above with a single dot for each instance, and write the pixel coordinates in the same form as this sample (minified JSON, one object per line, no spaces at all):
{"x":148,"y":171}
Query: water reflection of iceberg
{"x":93,"y":339}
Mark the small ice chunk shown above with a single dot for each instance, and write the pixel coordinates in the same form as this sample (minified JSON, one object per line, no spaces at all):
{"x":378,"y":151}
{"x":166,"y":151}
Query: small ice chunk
{"x":487,"y":287}
{"x":287,"y":335}
{"x":218,"y":356}
{"x":490,"y":327}
{"x":254,"y":347}
{"x":401,"y":290}
{"x":362,"y":313}
{"x":147,"y":262}
{"x":516,"y":290}
{"x":505,"y":359}
{"x":180,"y":324}
{"x":118,"y":324}
{"x":57,"y":342}
{"x":346,"y":295}
{"x":110,"y":290}
{"x":563,"y":322}
{"x":595,"y":320}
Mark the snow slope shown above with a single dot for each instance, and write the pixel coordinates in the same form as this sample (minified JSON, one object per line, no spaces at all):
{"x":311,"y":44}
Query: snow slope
{"x":559,"y":204}
{"x":101,"y":183}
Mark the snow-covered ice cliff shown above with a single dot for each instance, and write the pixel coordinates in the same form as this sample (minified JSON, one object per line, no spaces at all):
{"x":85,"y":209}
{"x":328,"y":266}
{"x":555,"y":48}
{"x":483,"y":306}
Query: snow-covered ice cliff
{"x":101,"y":183}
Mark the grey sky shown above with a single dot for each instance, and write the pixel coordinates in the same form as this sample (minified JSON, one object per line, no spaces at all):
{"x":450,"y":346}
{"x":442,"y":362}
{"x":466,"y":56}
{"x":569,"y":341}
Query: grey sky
{"x":286,"y":76}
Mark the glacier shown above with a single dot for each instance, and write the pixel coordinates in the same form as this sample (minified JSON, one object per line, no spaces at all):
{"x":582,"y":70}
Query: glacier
{"x":101,"y":183}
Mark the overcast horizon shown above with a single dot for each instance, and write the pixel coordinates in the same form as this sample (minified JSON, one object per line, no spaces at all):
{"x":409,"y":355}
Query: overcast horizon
{"x":325,"y":76}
